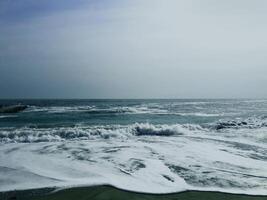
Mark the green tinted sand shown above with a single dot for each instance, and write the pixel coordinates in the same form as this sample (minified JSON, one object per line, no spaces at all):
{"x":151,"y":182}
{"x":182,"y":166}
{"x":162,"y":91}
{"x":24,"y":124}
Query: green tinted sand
{"x":111,"y":193}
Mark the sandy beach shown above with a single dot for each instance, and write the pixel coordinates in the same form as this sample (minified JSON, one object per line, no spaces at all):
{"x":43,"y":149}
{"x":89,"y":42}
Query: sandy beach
{"x":112,"y":193}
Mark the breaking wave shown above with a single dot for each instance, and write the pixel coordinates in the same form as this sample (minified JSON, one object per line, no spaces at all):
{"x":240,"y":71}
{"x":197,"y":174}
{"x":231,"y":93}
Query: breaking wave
{"x":140,"y":109}
{"x":97,"y":110}
{"x":248,"y":123}
{"x":152,"y":130}
{"x":49,"y":134}
{"x":29,"y":135}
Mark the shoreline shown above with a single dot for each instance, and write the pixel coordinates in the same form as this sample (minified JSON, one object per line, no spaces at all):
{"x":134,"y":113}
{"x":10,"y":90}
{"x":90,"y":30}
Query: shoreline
{"x":113,"y":193}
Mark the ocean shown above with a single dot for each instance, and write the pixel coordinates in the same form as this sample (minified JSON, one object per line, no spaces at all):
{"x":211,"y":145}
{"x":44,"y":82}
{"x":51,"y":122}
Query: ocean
{"x":150,"y":146}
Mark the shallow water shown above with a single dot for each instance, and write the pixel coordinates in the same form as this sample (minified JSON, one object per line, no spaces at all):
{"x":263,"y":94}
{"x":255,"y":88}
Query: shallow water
{"x":154,"y":146}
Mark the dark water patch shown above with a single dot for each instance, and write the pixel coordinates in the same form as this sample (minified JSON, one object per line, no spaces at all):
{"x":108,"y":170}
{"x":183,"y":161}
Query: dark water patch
{"x":136,"y":164}
{"x":258,"y":156}
{"x":125,"y":172}
{"x":132,"y":166}
{"x":82,"y":154}
{"x":114,"y":149}
{"x":177,"y":169}
{"x":111,"y":150}
{"x":235,"y":170}
{"x":249,"y":123}
{"x":47,"y":149}
{"x":258,"y":153}
{"x":205,"y":177}
{"x":224,"y":165}
{"x":108,"y":111}
{"x":12,"y":150}
{"x":150,"y":131}
{"x":108,"y":158}
{"x":168,"y":178}
{"x":63,"y":147}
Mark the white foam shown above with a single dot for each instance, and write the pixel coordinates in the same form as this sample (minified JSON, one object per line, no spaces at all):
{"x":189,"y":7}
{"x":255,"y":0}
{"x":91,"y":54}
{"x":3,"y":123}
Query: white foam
{"x":198,"y":114}
{"x":196,"y":159}
{"x":7,"y":116}
{"x":59,"y":109}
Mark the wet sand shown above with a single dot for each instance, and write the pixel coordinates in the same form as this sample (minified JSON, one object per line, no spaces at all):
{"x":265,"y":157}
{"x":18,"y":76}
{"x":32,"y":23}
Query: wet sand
{"x":112,"y":193}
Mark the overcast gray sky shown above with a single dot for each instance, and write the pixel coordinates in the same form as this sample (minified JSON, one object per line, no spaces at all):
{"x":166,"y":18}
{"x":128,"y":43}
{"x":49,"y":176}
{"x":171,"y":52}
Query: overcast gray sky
{"x":133,"y":49}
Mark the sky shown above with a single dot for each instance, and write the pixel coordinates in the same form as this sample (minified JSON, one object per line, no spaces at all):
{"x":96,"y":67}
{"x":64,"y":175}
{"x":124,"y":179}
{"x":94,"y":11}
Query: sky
{"x":133,"y":49}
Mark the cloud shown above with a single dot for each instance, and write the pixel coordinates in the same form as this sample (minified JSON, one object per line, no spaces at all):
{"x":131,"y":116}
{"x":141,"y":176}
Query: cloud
{"x":138,"y":49}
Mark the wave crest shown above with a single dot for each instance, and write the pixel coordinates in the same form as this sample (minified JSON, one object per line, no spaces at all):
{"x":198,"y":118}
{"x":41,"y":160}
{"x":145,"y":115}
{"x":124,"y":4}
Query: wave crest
{"x":29,"y":135}
{"x":163,"y":130}
{"x":98,"y":110}
{"x":251,"y":123}
{"x":50,"y":134}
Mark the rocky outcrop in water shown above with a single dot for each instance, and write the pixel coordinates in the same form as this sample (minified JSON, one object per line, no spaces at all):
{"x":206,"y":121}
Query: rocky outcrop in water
{"x":12,"y":109}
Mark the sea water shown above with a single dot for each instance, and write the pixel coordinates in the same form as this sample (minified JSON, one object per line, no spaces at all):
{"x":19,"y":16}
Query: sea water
{"x":154,"y":146}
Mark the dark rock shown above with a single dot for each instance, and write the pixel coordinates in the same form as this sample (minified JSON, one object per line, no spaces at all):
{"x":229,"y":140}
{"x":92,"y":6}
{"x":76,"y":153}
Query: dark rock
{"x":12,"y":109}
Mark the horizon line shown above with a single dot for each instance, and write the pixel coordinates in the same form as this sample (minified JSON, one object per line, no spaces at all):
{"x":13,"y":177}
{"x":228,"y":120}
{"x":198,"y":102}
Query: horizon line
{"x":149,"y":98}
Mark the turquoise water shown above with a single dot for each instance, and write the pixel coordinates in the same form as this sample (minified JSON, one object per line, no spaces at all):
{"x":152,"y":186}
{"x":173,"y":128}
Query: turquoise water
{"x":53,"y":113}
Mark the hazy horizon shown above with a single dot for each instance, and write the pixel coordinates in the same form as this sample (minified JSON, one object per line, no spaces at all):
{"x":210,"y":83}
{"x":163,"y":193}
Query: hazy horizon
{"x":143,"y":49}
{"x":154,"y":98}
